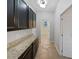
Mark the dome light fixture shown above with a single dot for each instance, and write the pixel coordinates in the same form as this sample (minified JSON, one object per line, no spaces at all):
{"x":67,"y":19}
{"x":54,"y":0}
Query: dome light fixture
{"x":42,"y":3}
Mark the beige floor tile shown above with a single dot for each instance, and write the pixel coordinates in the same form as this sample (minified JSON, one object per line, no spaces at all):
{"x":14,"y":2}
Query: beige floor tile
{"x":47,"y":50}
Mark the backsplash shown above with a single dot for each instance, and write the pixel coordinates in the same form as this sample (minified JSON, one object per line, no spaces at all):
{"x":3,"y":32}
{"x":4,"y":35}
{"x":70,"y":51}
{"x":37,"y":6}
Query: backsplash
{"x":13,"y":35}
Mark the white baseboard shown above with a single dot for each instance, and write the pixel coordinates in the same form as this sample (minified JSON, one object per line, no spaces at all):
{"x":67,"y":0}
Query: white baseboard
{"x":58,"y":50}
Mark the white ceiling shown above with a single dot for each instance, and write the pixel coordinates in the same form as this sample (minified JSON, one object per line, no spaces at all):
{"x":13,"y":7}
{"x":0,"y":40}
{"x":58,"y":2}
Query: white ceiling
{"x":51,"y":5}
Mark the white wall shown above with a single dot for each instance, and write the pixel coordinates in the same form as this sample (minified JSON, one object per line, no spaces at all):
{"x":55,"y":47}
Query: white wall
{"x":62,"y":6}
{"x":13,"y":35}
{"x":45,"y":16}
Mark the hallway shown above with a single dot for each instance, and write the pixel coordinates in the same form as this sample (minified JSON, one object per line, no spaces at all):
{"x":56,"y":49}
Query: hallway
{"x":47,"y":50}
{"x":46,"y":25}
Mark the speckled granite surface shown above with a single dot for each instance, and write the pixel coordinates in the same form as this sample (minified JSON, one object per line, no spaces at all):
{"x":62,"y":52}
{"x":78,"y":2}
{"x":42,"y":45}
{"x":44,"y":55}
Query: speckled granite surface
{"x":16,"y":48}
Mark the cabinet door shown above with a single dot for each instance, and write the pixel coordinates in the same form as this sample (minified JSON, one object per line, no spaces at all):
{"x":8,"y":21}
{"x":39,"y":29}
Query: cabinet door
{"x":28,"y":54}
{"x":35,"y":47}
{"x":34,"y":20}
{"x":17,"y":14}
{"x":30,"y":18}
{"x":22,"y":14}
{"x":10,"y":14}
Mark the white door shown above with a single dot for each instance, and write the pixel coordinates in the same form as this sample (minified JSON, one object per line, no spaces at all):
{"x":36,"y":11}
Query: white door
{"x":44,"y":29}
{"x":66,"y":32}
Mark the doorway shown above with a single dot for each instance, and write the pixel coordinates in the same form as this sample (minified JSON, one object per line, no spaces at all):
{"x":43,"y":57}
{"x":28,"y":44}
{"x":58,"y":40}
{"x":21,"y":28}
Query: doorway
{"x":45,"y":28}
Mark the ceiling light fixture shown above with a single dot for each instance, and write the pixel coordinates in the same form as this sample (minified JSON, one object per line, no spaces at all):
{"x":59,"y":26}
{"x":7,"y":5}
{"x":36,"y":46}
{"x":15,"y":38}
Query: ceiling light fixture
{"x":42,"y":3}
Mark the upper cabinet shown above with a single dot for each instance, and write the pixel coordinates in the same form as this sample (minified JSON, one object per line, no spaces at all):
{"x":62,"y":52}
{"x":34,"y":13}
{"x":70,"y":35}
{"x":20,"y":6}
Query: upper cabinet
{"x":30,"y":17}
{"x":10,"y":14}
{"x":19,"y":15}
{"x":34,"y":20}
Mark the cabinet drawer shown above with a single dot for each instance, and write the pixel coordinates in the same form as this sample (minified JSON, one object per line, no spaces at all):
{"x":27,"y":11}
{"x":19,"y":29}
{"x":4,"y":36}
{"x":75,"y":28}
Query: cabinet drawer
{"x":28,"y":54}
{"x":35,"y":47}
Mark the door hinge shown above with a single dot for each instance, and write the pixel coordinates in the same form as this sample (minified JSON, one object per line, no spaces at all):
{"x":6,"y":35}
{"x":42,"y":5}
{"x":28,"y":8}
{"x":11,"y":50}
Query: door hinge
{"x":62,"y":51}
{"x":61,"y":34}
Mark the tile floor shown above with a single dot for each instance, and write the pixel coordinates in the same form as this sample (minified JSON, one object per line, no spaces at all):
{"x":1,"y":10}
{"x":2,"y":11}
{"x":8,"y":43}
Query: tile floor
{"x":47,"y":50}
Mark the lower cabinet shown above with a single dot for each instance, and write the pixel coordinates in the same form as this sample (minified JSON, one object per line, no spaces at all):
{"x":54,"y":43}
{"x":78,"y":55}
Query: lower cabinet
{"x":35,"y":47}
{"x":31,"y":51}
{"x":28,"y":54}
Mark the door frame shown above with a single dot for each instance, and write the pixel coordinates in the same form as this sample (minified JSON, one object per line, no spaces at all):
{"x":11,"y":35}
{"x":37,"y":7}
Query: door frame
{"x":61,"y":35}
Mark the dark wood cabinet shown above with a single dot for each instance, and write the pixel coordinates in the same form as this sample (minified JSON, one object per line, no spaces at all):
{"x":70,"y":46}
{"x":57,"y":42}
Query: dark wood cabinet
{"x":28,"y":54}
{"x":30,"y":18}
{"x":10,"y":14}
{"x":31,"y":51}
{"x":34,"y":20}
{"x":19,"y":15}
{"x":35,"y":47}
{"x":22,"y":15}
{"x":16,"y":15}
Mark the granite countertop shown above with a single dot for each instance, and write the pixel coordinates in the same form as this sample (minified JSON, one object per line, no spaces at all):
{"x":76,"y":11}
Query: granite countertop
{"x":16,"y":48}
